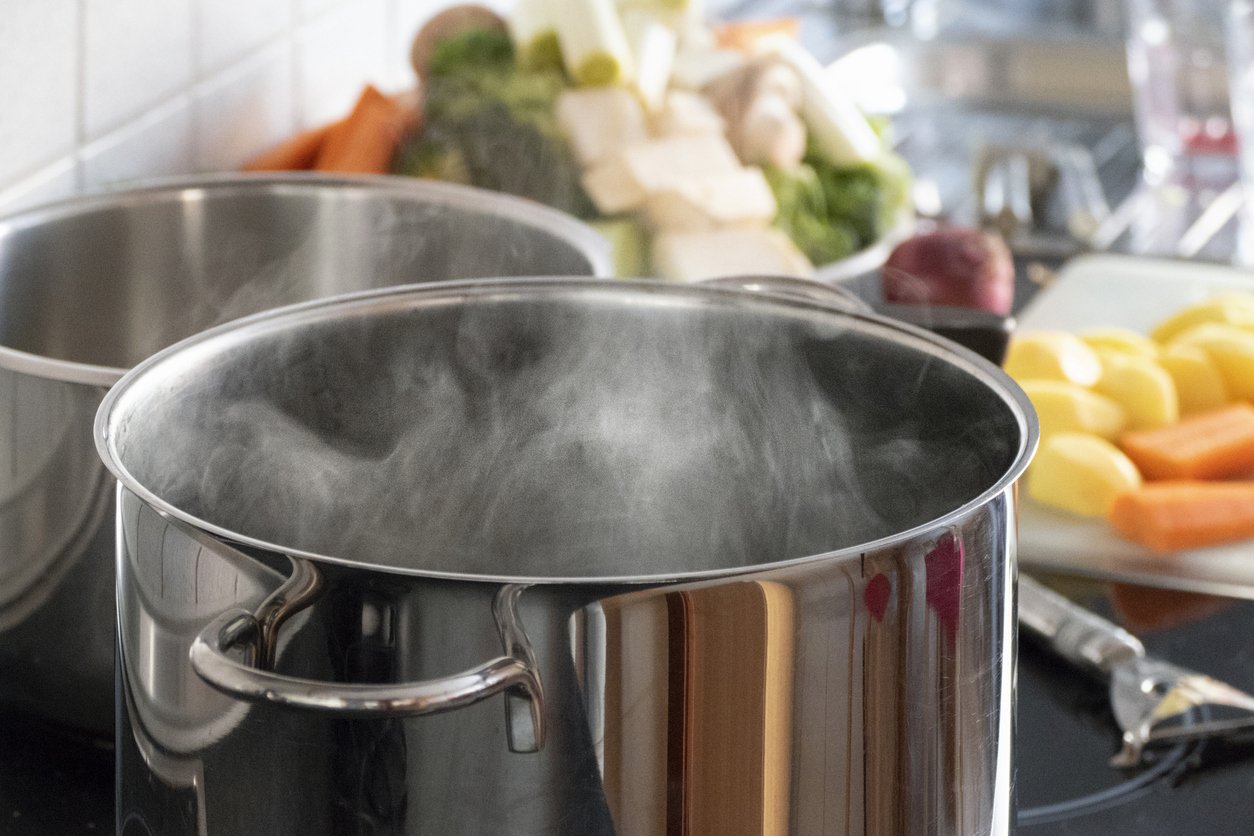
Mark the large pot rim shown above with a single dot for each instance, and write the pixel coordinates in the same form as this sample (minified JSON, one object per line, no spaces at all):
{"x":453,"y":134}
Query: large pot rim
{"x":526,"y":212}
{"x":239,"y":331}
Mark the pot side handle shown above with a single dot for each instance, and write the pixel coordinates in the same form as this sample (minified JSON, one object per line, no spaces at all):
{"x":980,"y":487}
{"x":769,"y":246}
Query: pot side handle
{"x":515,"y":675}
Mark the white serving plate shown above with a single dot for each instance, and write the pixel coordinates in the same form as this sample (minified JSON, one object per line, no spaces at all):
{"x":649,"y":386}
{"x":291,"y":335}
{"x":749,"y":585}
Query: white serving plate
{"x":1111,"y":290}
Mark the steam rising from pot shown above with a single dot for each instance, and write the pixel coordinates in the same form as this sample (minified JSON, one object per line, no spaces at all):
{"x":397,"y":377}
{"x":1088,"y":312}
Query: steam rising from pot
{"x":269,"y":252}
{"x":567,"y":436}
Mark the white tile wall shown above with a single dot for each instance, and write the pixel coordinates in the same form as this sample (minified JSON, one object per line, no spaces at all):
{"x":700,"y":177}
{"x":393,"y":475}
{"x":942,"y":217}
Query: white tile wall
{"x":226,"y":30}
{"x":158,"y":144}
{"x":40,"y":96}
{"x":128,"y":89}
{"x":136,"y":54}
{"x":336,"y":53}
{"x":241,"y":113}
{"x":57,"y":181}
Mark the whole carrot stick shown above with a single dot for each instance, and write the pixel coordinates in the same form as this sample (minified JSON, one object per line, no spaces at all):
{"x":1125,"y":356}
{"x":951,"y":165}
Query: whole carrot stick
{"x":1209,"y":445}
{"x":367,"y":139}
{"x":296,"y":153}
{"x":1175,"y":515}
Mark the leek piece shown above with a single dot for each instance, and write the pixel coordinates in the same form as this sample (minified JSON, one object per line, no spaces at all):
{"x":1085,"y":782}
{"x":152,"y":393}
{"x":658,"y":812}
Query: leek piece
{"x":593,"y":42}
{"x":653,"y":45}
{"x":838,"y":128}
{"x":534,"y":30}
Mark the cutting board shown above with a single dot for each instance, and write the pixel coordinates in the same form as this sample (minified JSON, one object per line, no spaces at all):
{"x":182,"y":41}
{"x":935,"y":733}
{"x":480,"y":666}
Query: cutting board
{"x":1111,"y":290}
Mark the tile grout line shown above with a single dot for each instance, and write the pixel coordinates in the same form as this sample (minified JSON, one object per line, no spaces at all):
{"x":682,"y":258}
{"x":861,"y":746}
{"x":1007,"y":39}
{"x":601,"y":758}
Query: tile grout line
{"x":195,"y":152}
{"x":80,"y":97}
{"x":297,"y":104}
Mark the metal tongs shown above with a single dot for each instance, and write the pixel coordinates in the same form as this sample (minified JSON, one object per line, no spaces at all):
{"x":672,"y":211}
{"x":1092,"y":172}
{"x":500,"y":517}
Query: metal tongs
{"x":1153,"y":701}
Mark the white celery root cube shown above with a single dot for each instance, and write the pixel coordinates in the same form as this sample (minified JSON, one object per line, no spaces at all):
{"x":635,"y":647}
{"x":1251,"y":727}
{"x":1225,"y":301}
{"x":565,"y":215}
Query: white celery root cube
{"x":600,"y":121}
{"x":693,"y":256}
{"x":622,"y":181}
{"x":685,"y":112}
{"x":739,"y":198}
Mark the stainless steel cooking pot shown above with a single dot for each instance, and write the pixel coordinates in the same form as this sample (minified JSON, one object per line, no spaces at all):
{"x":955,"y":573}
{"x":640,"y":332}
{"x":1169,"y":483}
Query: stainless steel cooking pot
{"x":565,"y":557}
{"x":91,"y":286}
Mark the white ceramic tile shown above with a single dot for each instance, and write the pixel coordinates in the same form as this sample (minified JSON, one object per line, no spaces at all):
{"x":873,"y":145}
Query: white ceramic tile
{"x":408,"y":16}
{"x":38,"y":78}
{"x":229,"y":29}
{"x":157,"y":144}
{"x":244,"y":111}
{"x":57,"y":181}
{"x":137,"y":54}
{"x":337,"y":54}
{"x":309,"y":9}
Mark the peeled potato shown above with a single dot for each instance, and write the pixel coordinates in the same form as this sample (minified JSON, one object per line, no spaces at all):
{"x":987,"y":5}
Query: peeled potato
{"x":1235,"y":309}
{"x":1199,"y":385}
{"x":1080,"y":473}
{"x":1120,"y":341}
{"x":1143,"y":388}
{"x":1066,"y":407}
{"x":1230,"y":348}
{"x":1052,"y":355}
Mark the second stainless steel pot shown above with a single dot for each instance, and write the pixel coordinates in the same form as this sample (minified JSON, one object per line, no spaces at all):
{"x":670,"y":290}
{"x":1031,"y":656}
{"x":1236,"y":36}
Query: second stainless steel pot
{"x":91,"y":286}
{"x":566,"y":557}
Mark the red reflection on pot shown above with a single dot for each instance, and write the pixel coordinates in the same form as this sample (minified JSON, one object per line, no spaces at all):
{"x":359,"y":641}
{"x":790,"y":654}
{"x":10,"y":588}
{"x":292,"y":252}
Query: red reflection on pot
{"x":878,"y":590}
{"x":944,"y":582}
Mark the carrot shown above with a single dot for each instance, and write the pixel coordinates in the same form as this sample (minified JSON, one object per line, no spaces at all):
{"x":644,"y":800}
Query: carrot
{"x":744,"y":35}
{"x":1147,"y":609}
{"x":1210,"y":445}
{"x":365,"y":141}
{"x":1184,"y":514}
{"x":294,"y":154}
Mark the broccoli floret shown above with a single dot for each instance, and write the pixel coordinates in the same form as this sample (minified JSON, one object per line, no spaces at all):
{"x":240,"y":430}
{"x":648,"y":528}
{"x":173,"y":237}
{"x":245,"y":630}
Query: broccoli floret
{"x":853,"y":197}
{"x":434,"y":159}
{"x":493,"y":125}
{"x":832,"y":212}
{"x":472,"y":53}
{"x":805,"y":215}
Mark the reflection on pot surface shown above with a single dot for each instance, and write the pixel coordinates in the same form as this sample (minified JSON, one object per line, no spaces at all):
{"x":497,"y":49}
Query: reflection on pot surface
{"x":535,"y":642}
{"x":56,"y":537}
{"x":91,"y":286}
{"x":866,"y":695}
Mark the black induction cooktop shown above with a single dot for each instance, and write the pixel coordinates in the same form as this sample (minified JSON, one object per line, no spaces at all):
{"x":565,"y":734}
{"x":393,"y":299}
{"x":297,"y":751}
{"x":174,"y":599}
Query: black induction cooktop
{"x":1066,"y":732}
{"x":53,"y":783}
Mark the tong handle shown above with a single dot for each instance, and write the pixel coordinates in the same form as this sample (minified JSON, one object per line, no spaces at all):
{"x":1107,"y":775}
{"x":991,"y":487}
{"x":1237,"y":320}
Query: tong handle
{"x":1078,"y":635}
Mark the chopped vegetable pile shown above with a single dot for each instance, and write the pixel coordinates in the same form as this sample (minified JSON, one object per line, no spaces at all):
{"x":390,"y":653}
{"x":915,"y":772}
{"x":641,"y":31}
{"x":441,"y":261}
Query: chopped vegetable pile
{"x":699,"y":150}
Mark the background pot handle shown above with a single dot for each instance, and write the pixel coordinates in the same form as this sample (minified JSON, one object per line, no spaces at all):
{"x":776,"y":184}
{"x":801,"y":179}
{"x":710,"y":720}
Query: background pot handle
{"x":790,"y":286}
{"x":514,"y":674}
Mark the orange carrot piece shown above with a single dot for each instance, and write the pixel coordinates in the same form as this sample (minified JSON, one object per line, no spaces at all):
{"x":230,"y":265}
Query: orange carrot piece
{"x":744,"y":35}
{"x":367,"y":139}
{"x":294,"y":154}
{"x":1210,"y":445}
{"x":1185,"y":514}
